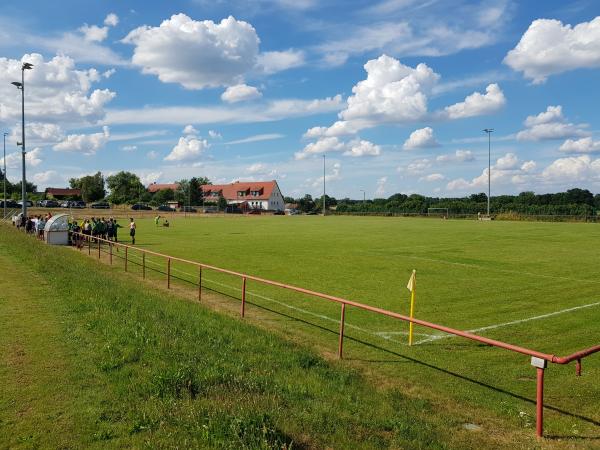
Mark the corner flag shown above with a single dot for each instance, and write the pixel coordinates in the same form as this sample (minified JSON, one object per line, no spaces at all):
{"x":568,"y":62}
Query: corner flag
{"x":412,"y":287}
{"x":412,"y":282}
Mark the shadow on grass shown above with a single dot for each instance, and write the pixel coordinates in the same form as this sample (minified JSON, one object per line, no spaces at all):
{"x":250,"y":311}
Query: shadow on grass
{"x":404,"y":359}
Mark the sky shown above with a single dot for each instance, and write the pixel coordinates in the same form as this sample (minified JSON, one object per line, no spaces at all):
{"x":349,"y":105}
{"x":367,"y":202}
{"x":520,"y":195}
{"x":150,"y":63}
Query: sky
{"x":394,"y":93}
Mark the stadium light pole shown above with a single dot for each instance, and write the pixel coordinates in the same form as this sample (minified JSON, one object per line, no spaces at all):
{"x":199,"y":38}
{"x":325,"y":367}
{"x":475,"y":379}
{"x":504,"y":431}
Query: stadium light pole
{"x":489,"y":132}
{"x":4,"y":176}
{"x":323,"y":184}
{"x":21,"y":86}
{"x":364,"y":198}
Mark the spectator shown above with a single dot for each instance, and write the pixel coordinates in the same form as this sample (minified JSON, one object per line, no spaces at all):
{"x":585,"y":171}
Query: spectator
{"x":117,"y":226}
{"x":132,"y":230}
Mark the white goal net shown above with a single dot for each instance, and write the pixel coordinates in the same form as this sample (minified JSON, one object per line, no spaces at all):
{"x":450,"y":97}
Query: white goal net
{"x":438,"y":212}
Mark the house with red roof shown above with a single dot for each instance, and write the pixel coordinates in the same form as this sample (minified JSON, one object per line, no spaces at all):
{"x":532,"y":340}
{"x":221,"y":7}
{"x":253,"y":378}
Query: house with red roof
{"x":264,"y":195}
{"x":60,"y":193}
{"x":155,"y":187}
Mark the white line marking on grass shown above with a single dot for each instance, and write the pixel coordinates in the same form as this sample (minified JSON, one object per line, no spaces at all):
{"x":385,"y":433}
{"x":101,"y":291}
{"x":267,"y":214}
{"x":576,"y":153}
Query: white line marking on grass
{"x":517,"y":272}
{"x":514,"y":322}
{"x":383,"y":334}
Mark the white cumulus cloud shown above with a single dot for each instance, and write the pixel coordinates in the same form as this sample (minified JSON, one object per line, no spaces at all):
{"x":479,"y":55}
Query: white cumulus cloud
{"x":14,"y":160}
{"x":583,"y":145}
{"x":148,"y":178}
{"x":506,"y":171}
{"x":196,"y":54}
{"x":572,"y":169}
{"x":549,"y":47}
{"x":111,"y":20}
{"x":458,"y":156}
{"x":47,"y":178}
{"x":360,"y":147}
{"x":355,"y":147}
{"x":87,"y":144}
{"x":256,"y":168}
{"x":396,"y":93}
{"x":333,"y":175}
{"x":277,"y":61}
{"x":189,"y":148}
{"x":477,"y":104}
{"x":240,"y":93}
{"x":189,"y":129}
{"x":93,"y":33}
{"x":433,"y":177}
{"x":421,"y":138}
{"x":381,"y":187}
{"x":57,"y":92}
{"x":327,"y":144}
{"x":550,"y":124}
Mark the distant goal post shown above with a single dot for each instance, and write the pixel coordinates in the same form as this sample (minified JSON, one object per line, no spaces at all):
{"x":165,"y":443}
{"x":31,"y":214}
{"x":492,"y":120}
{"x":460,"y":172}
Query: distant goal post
{"x":438,"y":212}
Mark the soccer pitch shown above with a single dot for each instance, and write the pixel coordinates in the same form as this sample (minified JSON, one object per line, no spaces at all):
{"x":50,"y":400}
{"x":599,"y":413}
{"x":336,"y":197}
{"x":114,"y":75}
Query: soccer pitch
{"x":532,"y":284}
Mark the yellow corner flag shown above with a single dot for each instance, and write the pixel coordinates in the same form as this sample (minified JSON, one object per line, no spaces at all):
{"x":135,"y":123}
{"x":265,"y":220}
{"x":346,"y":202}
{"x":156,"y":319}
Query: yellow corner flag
{"x":412,"y":287}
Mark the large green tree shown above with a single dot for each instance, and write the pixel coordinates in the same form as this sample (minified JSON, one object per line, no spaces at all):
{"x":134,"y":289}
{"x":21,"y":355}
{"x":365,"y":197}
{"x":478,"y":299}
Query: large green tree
{"x":124,"y":187}
{"x":163,"y":196}
{"x":189,"y":191}
{"x":92,"y":187}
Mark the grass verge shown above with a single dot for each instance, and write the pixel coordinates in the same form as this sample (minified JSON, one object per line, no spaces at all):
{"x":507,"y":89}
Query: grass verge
{"x":90,"y":359}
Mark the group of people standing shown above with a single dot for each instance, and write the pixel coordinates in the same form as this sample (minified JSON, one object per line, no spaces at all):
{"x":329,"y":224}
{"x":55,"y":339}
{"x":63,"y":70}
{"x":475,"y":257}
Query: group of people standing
{"x":33,"y":225}
{"x":98,"y":227}
{"x":102,"y":228}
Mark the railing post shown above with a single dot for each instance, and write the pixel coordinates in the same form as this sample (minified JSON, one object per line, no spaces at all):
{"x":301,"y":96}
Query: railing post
{"x":578,"y":367}
{"x":539,"y":426}
{"x":168,"y":273}
{"x":98,"y":248}
{"x":540,"y":365}
{"x":144,"y":265}
{"x":89,"y":245}
{"x":200,"y":284}
{"x":110,"y":252}
{"x":243,"y":307}
{"x":126,"y":248}
{"x":341,"y":341}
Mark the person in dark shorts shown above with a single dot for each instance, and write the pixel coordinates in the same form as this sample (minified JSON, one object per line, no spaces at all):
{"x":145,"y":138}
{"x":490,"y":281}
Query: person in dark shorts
{"x":132,"y":230}
{"x":110,"y":229}
{"x":116,"y":227}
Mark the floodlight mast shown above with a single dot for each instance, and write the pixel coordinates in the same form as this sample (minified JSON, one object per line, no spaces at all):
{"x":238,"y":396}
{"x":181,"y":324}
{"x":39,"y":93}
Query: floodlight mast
{"x":323,"y":184}
{"x":4,"y":176}
{"x":21,"y":86}
{"x":489,"y":132}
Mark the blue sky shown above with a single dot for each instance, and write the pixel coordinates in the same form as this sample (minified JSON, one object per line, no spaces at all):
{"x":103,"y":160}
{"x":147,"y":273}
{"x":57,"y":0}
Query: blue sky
{"x":394,"y":93}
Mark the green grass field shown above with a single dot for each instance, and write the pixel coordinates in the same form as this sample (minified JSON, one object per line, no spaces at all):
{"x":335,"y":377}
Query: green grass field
{"x":470,"y":275}
{"x":89,"y":359}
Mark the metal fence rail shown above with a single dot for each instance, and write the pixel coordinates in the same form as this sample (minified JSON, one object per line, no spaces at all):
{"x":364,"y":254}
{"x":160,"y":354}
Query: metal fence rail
{"x":539,"y":360}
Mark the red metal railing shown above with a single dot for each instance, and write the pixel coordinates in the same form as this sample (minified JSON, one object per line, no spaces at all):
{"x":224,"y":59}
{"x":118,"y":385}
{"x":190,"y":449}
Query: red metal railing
{"x":538,"y":359}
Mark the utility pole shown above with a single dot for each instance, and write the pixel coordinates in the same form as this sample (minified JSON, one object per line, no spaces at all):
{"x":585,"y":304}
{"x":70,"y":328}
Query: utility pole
{"x":4,"y":176}
{"x":324,"y":206}
{"x":489,"y":132}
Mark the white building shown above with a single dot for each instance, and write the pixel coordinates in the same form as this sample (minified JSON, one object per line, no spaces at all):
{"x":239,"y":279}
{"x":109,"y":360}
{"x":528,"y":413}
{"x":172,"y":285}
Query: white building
{"x":264,"y":195}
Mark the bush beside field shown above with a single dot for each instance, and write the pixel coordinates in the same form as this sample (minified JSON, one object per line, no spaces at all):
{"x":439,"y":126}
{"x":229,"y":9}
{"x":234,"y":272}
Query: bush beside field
{"x":92,"y":359}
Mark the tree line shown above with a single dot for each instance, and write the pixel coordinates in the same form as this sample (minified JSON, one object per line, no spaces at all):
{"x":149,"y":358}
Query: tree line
{"x":127,"y":188}
{"x":572,"y":202}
